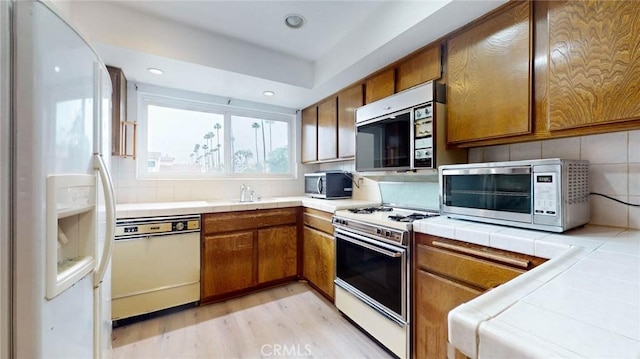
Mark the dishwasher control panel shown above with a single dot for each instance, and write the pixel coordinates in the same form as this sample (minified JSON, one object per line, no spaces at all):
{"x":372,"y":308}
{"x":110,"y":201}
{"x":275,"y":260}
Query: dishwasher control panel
{"x":140,"y":227}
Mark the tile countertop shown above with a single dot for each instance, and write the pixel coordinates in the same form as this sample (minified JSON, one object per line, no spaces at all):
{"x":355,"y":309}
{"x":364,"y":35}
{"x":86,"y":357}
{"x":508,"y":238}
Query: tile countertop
{"x":582,"y":303}
{"x":135,"y":210}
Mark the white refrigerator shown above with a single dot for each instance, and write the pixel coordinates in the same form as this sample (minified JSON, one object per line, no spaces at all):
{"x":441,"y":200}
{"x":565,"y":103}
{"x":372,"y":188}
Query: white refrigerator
{"x":58,"y":211}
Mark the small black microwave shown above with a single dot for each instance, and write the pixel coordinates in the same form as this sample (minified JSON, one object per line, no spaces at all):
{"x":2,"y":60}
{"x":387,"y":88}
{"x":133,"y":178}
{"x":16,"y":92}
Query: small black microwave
{"x":328,"y":185}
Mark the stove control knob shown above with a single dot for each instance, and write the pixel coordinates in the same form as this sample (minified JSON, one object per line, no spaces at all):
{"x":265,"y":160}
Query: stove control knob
{"x":387,"y":234}
{"x":179,"y":226}
{"x":378,"y":231}
{"x":344,"y":221}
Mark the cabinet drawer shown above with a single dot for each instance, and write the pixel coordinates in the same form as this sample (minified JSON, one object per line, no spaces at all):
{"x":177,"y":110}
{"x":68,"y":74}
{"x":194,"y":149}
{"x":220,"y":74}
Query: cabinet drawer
{"x":319,"y":220}
{"x":480,"y":273}
{"x":237,"y":221}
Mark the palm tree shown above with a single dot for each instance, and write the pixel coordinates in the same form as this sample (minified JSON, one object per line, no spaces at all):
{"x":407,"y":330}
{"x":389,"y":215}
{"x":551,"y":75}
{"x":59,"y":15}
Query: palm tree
{"x":256,"y":126}
{"x":206,"y":157}
{"x":192,"y":155}
{"x":196,"y":150}
{"x":217,"y":127}
{"x":233,"y":139}
{"x":209,"y":138}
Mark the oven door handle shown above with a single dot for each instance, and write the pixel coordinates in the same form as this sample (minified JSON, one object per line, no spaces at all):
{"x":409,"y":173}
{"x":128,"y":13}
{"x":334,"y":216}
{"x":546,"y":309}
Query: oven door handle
{"x":368,"y":246}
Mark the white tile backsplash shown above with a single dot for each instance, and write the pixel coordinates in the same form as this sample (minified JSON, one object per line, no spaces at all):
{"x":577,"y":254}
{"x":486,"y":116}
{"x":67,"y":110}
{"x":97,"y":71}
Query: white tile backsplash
{"x":496,"y":153}
{"x":568,"y":148}
{"x":475,"y":155}
{"x":525,"y":151}
{"x":606,"y":212}
{"x":605,"y":148}
{"x":634,"y":179}
{"x":608,"y":179}
{"x":634,"y":146}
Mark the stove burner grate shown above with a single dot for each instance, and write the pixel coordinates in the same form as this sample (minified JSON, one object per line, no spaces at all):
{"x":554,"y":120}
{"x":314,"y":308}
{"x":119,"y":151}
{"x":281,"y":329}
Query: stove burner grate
{"x":411,"y":217}
{"x":368,"y":210}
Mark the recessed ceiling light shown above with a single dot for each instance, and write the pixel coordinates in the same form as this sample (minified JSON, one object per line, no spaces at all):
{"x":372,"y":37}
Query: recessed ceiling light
{"x":268,"y":93}
{"x":294,"y":21}
{"x":56,"y":69}
{"x":155,"y":71}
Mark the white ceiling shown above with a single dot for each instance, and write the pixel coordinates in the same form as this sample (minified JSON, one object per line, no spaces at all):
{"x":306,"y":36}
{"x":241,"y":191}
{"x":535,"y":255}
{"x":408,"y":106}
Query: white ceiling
{"x":238,"y":49}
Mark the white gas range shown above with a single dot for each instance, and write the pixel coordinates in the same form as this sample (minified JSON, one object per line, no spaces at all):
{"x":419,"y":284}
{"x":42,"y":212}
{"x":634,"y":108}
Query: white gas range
{"x":373,"y":271}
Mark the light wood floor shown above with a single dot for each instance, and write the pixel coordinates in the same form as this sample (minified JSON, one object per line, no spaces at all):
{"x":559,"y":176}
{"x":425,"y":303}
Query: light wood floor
{"x":287,"y":321}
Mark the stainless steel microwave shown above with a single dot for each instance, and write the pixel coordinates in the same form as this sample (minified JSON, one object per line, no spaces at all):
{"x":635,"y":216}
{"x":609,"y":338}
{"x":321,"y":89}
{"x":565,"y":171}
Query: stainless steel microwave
{"x":405,"y":132}
{"x":328,"y":185}
{"x":548,"y":194}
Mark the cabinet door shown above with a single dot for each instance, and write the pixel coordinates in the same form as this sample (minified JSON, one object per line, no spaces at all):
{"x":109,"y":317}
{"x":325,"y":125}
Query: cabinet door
{"x":380,"y":86}
{"x":348,"y":100}
{"x":118,"y":109}
{"x":309,"y":134}
{"x":277,"y":253}
{"x":227,"y":263}
{"x":328,"y":130}
{"x":434,"y":298}
{"x":489,"y":77}
{"x":420,"y":68}
{"x":319,"y":255}
{"x":594,"y":62}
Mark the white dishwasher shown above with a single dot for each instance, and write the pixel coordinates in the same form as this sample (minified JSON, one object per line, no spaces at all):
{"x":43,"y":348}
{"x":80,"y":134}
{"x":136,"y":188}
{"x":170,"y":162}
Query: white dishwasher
{"x":155,"y":265}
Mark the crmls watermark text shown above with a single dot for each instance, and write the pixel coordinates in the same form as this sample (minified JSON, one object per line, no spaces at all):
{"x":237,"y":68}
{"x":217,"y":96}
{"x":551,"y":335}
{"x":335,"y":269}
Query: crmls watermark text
{"x":284,"y":350}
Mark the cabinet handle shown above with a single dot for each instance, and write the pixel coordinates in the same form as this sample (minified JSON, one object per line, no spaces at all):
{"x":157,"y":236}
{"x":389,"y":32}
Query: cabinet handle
{"x":516,"y":262}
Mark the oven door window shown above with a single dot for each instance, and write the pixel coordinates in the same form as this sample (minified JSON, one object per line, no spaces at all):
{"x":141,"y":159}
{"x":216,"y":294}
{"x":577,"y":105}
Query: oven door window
{"x":375,"y":274}
{"x":384,"y":144}
{"x":497,"y":192}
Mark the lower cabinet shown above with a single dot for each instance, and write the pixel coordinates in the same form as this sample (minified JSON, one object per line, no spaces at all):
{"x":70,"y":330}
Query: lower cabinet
{"x":227,"y":263}
{"x":277,"y":253}
{"x":263,"y":251}
{"x":448,"y":273}
{"x":318,"y":251}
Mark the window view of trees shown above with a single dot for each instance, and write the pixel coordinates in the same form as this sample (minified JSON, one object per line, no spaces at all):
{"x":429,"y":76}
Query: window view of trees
{"x":187,"y":141}
{"x":255,"y":149}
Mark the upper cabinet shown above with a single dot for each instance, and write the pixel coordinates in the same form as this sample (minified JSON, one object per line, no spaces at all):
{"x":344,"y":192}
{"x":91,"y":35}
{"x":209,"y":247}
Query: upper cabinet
{"x":489,"y":77}
{"x":594,"y":63}
{"x":348,"y":100}
{"x":310,"y":134}
{"x":425,"y":65}
{"x":380,"y":86}
{"x":123,"y":132}
{"x":328,"y":129}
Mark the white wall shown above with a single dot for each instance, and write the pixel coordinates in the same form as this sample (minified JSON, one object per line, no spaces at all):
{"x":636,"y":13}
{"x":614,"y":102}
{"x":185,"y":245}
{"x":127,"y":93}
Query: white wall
{"x":614,"y":164}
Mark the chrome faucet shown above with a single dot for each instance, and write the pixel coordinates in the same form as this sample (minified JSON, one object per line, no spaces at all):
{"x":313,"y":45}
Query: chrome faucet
{"x":243,"y":193}
{"x":246,"y":194}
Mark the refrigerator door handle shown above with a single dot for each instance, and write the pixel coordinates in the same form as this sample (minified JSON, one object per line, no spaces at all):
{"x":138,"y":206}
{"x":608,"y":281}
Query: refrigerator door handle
{"x":110,"y":205}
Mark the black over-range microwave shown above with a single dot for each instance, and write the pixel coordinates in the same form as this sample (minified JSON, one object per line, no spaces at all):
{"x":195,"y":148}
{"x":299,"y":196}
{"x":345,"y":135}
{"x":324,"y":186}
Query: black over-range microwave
{"x":328,"y":185}
{"x":405,"y":132}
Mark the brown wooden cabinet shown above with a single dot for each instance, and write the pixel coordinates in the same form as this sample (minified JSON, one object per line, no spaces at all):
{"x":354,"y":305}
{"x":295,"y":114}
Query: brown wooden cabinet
{"x":228,"y":263}
{"x":426,"y":65}
{"x":309,"y":134}
{"x":348,"y":100}
{"x":246,"y":250}
{"x":448,"y":273}
{"x":328,"y":129}
{"x":319,"y":251}
{"x":489,"y":77}
{"x":380,"y":85}
{"x":123,"y":132}
{"x":277,"y":253}
{"x":594,"y":63}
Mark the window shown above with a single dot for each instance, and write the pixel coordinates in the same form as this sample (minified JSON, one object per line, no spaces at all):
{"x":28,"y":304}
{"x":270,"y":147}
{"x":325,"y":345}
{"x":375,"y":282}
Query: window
{"x":193,"y":139}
